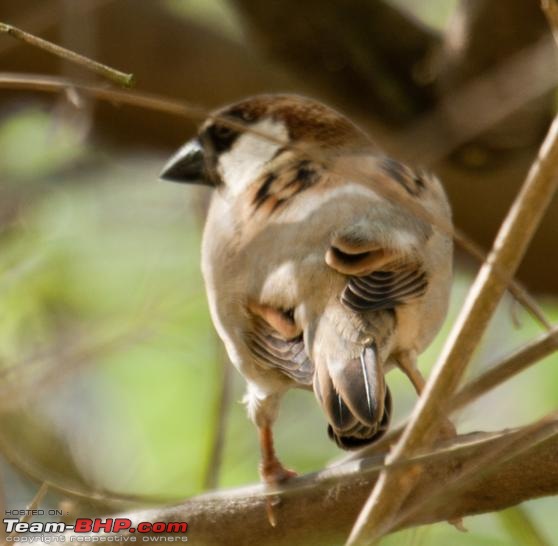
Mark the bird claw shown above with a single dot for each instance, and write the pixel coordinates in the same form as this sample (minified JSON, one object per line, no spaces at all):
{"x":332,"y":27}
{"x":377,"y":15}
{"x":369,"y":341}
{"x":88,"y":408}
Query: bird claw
{"x":273,"y":472}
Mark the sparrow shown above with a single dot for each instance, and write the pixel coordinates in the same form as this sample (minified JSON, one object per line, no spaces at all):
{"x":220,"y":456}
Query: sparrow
{"x":319,"y":274}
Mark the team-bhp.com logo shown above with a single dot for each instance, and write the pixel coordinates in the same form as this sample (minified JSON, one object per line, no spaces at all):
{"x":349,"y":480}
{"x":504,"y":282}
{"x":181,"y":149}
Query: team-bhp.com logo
{"x":22,"y":531}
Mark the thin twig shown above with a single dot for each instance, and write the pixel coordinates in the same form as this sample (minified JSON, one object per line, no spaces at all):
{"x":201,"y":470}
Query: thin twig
{"x":35,"y":502}
{"x":162,"y":104}
{"x":507,"y":368}
{"x":55,"y":84}
{"x":125,"y":80}
{"x":40,"y":18}
{"x":391,"y":490}
{"x":31,"y":507}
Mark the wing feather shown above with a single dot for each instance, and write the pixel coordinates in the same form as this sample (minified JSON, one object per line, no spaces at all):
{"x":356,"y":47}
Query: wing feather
{"x":286,"y":355}
{"x":385,"y":289}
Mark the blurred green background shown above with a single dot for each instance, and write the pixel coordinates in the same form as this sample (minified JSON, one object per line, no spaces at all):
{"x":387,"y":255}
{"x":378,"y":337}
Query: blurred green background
{"x":110,"y":369}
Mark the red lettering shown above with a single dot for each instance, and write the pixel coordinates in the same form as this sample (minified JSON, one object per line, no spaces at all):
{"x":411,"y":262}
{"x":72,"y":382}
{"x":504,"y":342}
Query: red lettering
{"x":158,"y":527}
{"x":120,"y":524}
{"x":105,"y":525}
{"x":83,"y":525}
{"x":177,"y":527}
{"x":144,"y":527}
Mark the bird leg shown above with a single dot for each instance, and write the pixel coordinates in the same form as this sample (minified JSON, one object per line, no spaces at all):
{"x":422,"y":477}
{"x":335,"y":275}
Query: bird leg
{"x":272,"y":471}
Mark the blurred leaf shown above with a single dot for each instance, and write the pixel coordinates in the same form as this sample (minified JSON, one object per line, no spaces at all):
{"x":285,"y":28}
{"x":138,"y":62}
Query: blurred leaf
{"x":33,"y":142}
{"x":216,"y":14}
{"x":433,"y":12}
{"x":521,"y":528}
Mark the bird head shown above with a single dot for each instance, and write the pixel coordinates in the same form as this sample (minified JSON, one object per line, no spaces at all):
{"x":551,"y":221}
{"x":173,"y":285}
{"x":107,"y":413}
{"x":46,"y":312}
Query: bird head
{"x":236,"y":143}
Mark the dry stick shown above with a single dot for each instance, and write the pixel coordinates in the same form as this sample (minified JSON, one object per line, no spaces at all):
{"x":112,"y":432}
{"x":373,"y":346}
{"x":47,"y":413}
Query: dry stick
{"x":513,"y":445}
{"x":35,"y":502}
{"x":31,"y":507}
{"x":172,"y":107}
{"x":509,"y":247}
{"x":125,"y":80}
{"x":55,"y":84}
{"x":510,"y":366}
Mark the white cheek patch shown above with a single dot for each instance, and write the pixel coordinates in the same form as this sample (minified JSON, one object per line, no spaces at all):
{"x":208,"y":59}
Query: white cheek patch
{"x":244,"y":162}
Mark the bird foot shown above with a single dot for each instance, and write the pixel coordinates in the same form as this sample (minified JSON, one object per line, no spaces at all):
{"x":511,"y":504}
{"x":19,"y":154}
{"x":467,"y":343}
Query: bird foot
{"x":272,"y":472}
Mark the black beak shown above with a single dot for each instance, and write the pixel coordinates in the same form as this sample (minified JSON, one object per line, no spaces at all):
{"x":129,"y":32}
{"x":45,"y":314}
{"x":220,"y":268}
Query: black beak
{"x":186,"y":165}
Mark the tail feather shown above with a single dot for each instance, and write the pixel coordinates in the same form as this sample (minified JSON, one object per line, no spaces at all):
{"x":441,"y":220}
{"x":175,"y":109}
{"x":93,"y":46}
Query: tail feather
{"x":354,"y":397}
{"x":337,"y":412}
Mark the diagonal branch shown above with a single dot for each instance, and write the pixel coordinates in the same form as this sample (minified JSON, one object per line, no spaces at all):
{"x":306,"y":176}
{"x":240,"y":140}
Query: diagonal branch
{"x":126,"y":80}
{"x":320,"y":508}
{"x":511,"y":243}
{"x":507,"y":368}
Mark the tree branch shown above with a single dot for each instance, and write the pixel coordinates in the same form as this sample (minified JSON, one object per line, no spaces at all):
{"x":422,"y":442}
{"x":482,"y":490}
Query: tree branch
{"x":319,"y":509}
{"x":507,"y":368}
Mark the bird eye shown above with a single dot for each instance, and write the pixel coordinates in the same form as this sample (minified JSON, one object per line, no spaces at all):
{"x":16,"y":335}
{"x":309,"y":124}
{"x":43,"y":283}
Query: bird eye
{"x":222,"y":137}
{"x":222,"y":132}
